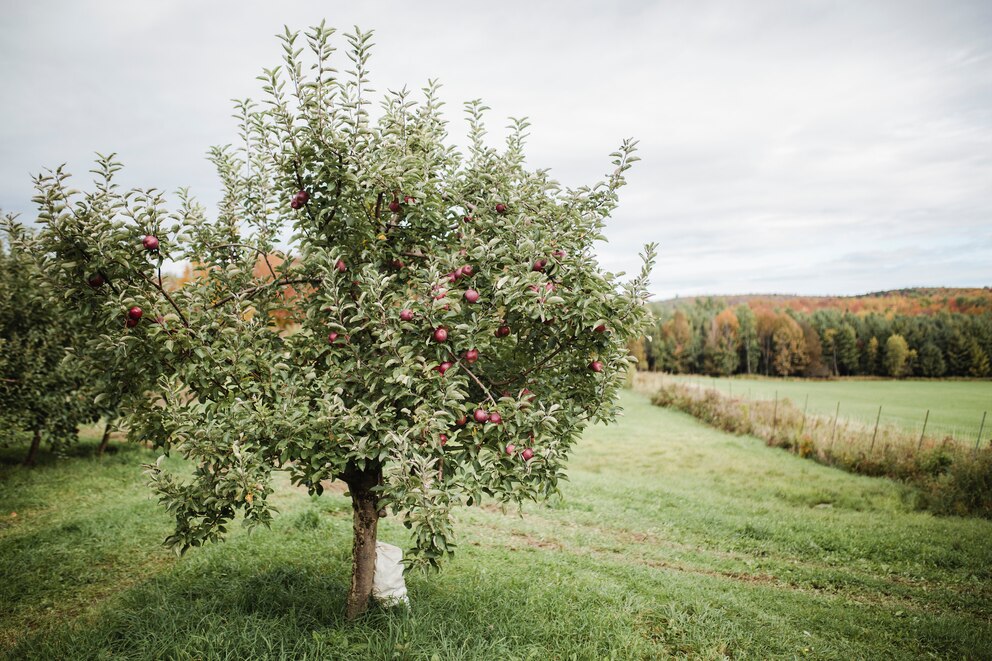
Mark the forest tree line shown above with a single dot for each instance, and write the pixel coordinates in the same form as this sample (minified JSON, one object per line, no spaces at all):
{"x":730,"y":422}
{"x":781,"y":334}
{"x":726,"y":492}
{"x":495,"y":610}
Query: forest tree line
{"x":709,"y":336}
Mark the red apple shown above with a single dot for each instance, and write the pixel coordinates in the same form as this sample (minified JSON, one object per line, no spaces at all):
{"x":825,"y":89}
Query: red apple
{"x":444,"y":367}
{"x":471,"y":356}
{"x":528,"y":395}
{"x":406,"y":315}
{"x":596,"y":366}
{"x":394,"y":206}
{"x":495,"y":418}
{"x":135,"y":313}
{"x":340,"y":266}
{"x":332,"y":337}
{"x":440,"y":334}
{"x":131,"y":322}
{"x":503,"y":331}
{"x":461,"y":422}
{"x":452,"y":277}
{"x":480,"y":415}
{"x":558,"y":253}
{"x":471,"y":295}
{"x":408,"y":200}
{"x":96,"y":281}
{"x":549,"y":286}
{"x":539,"y":264}
{"x":444,"y":439}
{"x":527,"y":454}
{"x":467,"y":219}
{"x":467,"y":270}
{"x":510,"y":448}
{"x":299,"y":199}
{"x":150,"y":242}
{"x":396,"y":264}
{"x":500,"y":208}
{"x":600,"y":329}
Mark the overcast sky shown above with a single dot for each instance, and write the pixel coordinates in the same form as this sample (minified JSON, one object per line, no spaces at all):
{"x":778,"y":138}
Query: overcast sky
{"x":788,"y":147}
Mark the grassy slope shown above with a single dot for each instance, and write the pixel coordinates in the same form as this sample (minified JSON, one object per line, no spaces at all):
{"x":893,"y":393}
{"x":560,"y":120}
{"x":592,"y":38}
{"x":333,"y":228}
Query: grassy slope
{"x":672,"y":539}
{"x":955,"y":406}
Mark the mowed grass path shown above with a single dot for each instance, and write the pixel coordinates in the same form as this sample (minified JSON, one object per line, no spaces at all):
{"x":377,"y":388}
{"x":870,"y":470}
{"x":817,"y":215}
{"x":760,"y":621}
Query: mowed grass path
{"x":672,"y":539}
{"x":956,"y":407}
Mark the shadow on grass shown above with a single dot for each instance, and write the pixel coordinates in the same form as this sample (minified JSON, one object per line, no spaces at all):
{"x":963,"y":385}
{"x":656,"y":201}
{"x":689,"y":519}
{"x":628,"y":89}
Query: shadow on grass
{"x":12,"y":454}
{"x":277,"y":598}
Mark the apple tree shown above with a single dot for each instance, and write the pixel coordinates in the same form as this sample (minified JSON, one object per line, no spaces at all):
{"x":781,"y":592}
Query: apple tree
{"x":452,"y":331}
{"x":43,"y":390}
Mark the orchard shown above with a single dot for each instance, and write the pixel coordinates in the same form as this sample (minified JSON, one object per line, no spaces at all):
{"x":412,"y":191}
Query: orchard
{"x":452,"y":331}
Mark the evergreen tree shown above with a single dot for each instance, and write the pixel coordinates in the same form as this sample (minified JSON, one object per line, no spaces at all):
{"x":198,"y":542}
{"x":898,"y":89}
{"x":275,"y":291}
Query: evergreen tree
{"x":959,"y":353}
{"x":931,"y":361}
{"x":978,"y":359}
{"x":847,"y":349}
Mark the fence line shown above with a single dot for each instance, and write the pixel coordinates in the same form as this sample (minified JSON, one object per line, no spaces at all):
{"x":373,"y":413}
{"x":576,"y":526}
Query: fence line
{"x":927,"y":430}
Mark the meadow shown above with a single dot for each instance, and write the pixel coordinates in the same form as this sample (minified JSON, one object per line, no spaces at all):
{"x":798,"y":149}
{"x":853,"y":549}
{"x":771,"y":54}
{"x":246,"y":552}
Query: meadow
{"x":956,"y":406}
{"x":671,"y":539}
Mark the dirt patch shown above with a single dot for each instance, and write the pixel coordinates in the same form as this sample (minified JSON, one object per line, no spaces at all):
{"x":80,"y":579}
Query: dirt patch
{"x":537,"y":543}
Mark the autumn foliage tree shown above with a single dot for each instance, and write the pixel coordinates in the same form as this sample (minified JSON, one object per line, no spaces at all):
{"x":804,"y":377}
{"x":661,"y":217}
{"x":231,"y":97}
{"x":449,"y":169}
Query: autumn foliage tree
{"x":721,"y":352}
{"x":455,"y":334}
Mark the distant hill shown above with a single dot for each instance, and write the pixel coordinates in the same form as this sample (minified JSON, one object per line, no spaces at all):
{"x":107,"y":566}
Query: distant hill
{"x":915,"y":301}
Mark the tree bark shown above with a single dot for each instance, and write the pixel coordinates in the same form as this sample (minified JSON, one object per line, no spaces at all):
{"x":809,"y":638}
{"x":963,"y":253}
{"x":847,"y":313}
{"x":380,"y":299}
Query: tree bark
{"x":364,"y":502}
{"x":33,"y":451}
{"x":105,"y":440}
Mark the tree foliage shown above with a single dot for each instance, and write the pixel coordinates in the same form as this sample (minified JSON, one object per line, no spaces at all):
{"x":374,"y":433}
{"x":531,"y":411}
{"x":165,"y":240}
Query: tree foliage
{"x":43,"y":391}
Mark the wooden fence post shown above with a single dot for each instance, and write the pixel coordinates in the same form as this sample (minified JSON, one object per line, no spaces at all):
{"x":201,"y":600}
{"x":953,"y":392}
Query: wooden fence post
{"x":981,"y":428}
{"x":805,"y":406}
{"x":925,"y":419}
{"x":833,"y":433}
{"x":875,"y":433}
{"x":775,"y":415}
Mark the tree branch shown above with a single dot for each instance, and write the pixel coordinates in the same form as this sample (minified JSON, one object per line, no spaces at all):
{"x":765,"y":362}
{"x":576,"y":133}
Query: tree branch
{"x":474,"y":377}
{"x":539,"y":365}
{"x":161,"y":289}
{"x":254,"y":290}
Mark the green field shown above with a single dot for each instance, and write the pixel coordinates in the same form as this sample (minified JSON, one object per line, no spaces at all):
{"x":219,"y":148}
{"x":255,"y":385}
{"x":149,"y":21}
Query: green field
{"x":672,"y":539}
{"x":956,"y":407}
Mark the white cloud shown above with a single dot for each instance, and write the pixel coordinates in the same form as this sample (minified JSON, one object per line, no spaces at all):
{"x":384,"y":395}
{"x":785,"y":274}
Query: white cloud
{"x":823,"y":147}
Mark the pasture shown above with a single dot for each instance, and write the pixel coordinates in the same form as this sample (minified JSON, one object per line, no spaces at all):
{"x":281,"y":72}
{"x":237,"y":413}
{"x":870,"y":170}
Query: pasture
{"x":956,"y":406}
{"x":671,"y":539}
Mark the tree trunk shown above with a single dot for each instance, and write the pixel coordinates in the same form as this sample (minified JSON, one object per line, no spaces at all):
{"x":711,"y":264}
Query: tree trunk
{"x":33,"y":452}
{"x":364,"y":502}
{"x":104,"y":440}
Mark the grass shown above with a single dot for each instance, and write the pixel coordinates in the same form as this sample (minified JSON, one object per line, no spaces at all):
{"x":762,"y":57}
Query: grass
{"x":672,"y":540}
{"x":956,"y":407}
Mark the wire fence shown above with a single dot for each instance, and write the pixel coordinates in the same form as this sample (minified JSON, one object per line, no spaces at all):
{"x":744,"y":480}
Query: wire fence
{"x":884,"y":429}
